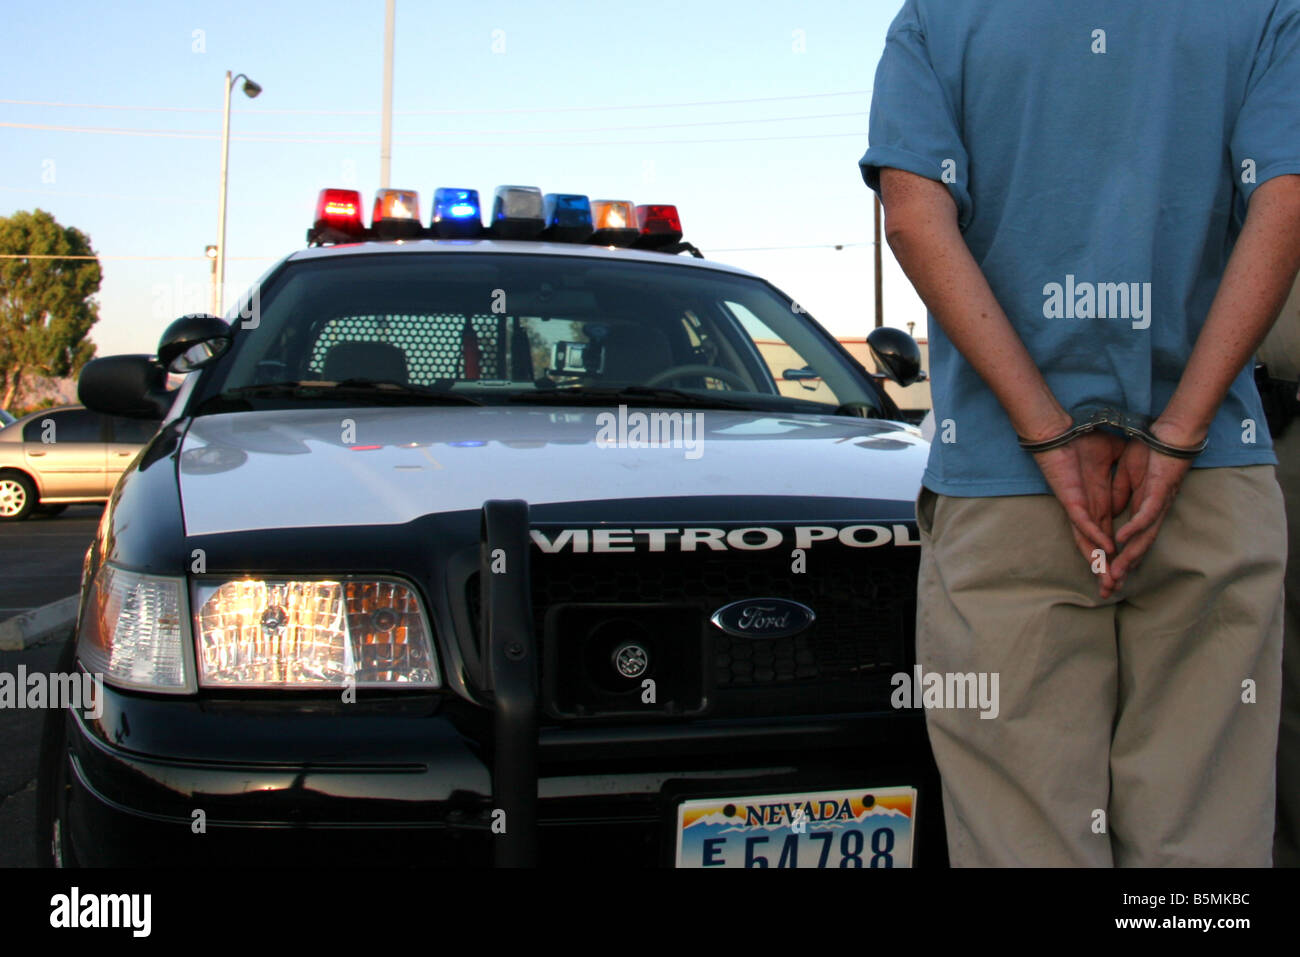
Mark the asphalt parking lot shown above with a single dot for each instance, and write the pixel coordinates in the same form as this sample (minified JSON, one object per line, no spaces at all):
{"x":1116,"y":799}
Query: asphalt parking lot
{"x":40,"y":562}
{"x":40,"y":558}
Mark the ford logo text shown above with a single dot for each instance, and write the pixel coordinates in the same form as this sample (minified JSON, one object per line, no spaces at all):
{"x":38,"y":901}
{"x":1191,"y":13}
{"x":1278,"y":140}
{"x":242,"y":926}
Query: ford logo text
{"x":763,"y":618}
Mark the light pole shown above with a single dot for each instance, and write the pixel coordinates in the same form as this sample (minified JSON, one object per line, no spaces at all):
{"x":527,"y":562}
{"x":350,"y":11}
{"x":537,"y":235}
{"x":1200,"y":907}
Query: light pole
{"x":386,"y":121}
{"x":251,"y":90}
{"x":211,"y":252}
{"x":880,"y":301}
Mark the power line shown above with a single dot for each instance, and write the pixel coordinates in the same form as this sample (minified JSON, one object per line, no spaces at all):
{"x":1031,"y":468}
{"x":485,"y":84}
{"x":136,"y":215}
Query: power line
{"x":332,"y":134}
{"x":134,"y":258}
{"x":111,"y":131}
{"x":652,"y":126}
{"x":120,"y":196}
{"x":762,"y":249}
{"x":181,"y":134}
{"x":327,"y":139}
{"x":460,"y":112}
{"x":859,"y":134}
{"x":635,"y":106}
{"x":711,"y":250}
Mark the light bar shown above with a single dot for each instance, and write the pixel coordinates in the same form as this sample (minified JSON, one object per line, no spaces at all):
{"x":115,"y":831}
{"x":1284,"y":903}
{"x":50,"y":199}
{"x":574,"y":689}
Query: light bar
{"x":615,"y":222}
{"x":568,"y":217}
{"x":456,"y":213}
{"x":658,"y":225}
{"x":338,"y":216}
{"x":517,"y":212}
{"x":396,"y":215}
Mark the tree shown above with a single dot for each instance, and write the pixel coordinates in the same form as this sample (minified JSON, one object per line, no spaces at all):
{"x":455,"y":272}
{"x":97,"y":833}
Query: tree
{"x":46,"y":305}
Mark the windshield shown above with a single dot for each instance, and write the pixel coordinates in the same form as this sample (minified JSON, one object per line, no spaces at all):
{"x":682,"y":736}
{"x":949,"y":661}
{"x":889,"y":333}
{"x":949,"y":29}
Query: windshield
{"x":524,"y":328}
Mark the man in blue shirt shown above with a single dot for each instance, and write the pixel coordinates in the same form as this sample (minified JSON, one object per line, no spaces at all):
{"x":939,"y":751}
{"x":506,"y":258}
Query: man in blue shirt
{"x":1099,"y":203}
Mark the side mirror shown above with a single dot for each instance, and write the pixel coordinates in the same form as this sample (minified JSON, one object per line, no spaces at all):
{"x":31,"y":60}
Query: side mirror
{"x":191,"y":342}
{"x":130,"y":386}
{"x":897,"y":355}
{"x":803,"y":377}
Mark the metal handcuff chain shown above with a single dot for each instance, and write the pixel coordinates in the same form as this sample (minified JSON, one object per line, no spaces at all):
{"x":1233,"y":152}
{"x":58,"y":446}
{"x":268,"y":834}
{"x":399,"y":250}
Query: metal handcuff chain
{"x":1133,"y":426}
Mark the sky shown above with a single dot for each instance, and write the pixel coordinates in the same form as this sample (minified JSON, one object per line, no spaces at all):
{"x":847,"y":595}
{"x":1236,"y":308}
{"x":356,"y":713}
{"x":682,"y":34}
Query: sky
{"x":749,"y":115}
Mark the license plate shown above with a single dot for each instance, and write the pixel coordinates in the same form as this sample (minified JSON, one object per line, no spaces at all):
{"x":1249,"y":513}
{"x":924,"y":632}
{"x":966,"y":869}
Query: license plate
{"x":868,"y":827}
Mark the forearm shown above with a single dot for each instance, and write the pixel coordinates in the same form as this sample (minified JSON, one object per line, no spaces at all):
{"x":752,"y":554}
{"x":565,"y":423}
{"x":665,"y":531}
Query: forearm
{"x":1255,"y":285}
{"x":921,"y":227}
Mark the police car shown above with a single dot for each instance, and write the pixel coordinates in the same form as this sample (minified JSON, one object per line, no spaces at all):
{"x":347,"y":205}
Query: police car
{"x":545,"y":541}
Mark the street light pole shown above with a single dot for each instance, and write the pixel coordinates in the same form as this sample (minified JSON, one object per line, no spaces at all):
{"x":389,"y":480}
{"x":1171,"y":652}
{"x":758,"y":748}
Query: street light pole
{"x":251,"y":90}
{"x":211,"y":252}
{"x":386,"y":129}
{"x":219,"y":295}
{"x":880,"y":301}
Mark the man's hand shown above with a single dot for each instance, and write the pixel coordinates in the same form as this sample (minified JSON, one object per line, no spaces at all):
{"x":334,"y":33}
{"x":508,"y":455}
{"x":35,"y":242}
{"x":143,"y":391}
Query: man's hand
{"x":1079,"y":475}
{"x":1149,"y":482}
{"x":921,"y":228}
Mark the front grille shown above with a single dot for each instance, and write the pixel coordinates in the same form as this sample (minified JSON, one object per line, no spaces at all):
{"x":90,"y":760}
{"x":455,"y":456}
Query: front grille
{"x":864,"y":600}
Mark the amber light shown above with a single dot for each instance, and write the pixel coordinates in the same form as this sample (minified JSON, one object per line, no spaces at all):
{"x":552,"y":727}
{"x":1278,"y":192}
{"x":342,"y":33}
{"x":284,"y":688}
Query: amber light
{"x":612,"y":214}
{"x":396,"y":204}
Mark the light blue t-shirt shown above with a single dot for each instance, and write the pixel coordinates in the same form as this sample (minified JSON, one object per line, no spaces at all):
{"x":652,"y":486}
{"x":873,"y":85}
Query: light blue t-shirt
{"x":1101,"y":154}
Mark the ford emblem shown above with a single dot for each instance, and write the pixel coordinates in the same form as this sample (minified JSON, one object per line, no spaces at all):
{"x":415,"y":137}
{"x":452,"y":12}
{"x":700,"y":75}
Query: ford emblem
{"x":763,"y":618}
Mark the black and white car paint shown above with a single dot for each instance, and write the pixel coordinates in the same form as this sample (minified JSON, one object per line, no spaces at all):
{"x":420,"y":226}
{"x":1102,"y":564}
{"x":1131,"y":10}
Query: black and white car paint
{"x":631,"y":551}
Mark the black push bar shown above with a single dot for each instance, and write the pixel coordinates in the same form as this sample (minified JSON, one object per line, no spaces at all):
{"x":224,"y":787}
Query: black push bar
{"x":509,"y":649}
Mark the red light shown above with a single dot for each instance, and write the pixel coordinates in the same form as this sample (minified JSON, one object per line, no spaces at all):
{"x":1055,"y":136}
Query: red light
{"x":339,"y":209}
{"x":658,"y":227}
{"x":657,"y":220}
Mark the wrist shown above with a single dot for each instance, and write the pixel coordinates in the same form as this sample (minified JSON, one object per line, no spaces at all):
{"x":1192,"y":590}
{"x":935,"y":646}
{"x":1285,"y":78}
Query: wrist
{"x":1177,"y":433}
{"x":1172,"y":441}
{"x":1047,"y":426}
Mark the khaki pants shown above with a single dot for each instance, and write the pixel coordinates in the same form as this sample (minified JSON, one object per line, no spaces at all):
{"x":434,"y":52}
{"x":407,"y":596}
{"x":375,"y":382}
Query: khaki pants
{"x":1136,"y":731}
{"x":1286,"y":843}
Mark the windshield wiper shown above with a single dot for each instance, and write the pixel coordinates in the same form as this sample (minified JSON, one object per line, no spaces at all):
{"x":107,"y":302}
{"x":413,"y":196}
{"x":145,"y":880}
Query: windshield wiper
{"x":383,"y":390}
{"x":632,"y":394}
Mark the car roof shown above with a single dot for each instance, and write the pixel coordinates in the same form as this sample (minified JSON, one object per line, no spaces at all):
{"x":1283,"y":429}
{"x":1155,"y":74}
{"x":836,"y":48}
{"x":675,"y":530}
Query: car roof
{"x":487,"y":246}
{"x":18,"y":424}
{"x":47,"y":410}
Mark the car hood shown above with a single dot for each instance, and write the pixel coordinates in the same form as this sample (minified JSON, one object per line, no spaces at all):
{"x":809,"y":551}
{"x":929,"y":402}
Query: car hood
{"x":303,"y":468}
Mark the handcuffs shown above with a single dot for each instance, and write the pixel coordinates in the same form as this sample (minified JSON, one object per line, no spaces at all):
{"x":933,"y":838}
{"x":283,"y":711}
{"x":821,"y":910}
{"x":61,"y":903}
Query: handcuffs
{"x":1134,"y":426}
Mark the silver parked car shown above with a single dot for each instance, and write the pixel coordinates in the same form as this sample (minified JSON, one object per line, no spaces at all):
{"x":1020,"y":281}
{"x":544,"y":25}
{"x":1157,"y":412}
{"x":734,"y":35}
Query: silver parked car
{"x":57,"y":457}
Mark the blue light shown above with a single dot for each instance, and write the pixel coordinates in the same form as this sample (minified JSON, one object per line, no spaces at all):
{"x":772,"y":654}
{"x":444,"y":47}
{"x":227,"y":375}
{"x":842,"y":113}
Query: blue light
{"x":568,"y":216}
{"x":567,"y":209}
{"x":456,"y":212}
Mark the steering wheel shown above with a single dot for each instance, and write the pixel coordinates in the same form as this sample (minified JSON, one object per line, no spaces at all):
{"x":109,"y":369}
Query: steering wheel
{"x":713,"y":372}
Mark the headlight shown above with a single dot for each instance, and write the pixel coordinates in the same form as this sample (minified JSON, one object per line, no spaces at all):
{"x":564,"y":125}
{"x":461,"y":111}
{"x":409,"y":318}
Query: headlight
{"x":311,"y":634}
{"x":134,"y":631}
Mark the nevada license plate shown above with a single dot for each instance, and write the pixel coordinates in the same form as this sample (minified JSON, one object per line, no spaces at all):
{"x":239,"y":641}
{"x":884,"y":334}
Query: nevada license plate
{"x":869,"y":827}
